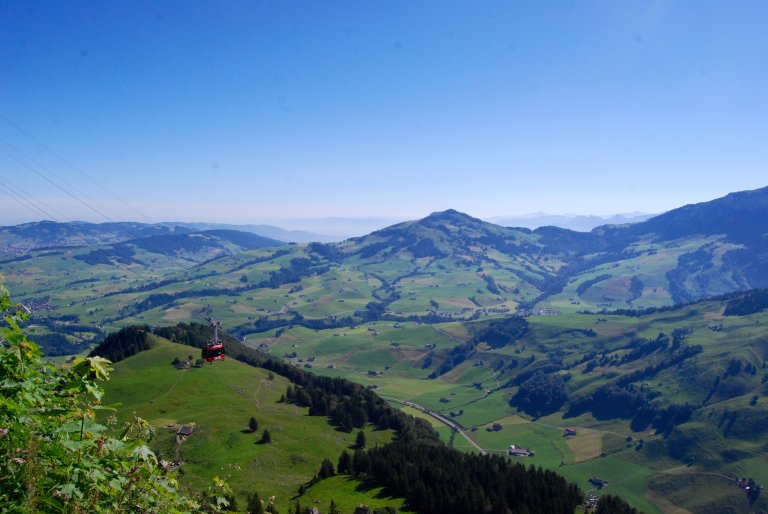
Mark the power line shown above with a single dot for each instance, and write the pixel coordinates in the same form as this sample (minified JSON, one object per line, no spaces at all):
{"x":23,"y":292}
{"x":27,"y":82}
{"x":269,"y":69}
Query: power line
{"x":70,"y":164}
{"x":7,"y":186}
{"x":38,"y":165}
{"x":69,"y":193}
{"x":78,"y":199}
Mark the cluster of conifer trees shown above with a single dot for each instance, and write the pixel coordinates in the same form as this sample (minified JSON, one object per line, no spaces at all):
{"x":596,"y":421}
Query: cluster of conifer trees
{"x":436,"y":479}
{"x":747,"y":303}
{"x":124,"y":343}
{"x":498,"y":334}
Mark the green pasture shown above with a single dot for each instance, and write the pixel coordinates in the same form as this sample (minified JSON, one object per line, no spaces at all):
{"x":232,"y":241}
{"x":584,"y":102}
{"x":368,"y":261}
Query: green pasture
{"x":483,"y":411}
{"x":348,"y":493}
{"x":705,"y":492}
{"x":625,"y":479}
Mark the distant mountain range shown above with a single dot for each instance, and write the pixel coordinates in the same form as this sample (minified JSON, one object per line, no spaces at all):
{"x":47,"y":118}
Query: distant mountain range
{"x":323,"y":230}
{"x":46,"y":234}
{"x":577,"y":222}
{"x":339,"y":228}
{"x":270,"y":231}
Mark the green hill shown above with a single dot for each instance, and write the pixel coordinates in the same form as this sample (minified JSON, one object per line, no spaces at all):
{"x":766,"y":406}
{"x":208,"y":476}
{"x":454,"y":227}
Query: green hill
{"x":217,"y":402}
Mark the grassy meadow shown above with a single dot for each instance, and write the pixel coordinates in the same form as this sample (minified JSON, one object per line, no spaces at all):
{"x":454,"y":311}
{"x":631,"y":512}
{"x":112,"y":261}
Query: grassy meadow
{"x":218,"y":401}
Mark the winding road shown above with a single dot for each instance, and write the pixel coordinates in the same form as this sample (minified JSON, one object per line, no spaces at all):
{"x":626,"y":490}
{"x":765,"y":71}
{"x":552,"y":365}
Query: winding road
{"x":442,"y":419}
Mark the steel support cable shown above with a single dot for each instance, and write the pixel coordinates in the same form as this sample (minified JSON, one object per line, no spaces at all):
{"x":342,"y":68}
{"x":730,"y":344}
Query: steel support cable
{"x":80,"y":200}
{"x":8,"y":187}
{"x":70,"y":164}
{"x":83,"y":202}
{"x":114,"y":262}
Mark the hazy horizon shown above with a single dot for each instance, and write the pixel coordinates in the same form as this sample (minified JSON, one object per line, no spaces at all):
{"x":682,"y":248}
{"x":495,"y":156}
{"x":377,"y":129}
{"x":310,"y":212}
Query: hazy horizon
{"x":337,"y":229}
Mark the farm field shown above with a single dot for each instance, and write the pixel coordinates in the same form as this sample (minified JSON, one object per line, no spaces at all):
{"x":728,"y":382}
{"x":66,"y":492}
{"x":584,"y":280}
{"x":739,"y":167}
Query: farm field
{"x":397,"y":359}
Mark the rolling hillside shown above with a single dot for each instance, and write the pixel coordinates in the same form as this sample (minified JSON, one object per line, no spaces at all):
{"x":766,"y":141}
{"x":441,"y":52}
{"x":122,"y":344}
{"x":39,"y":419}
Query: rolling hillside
{"x":215,"y":403}
{"x":446,"y":265}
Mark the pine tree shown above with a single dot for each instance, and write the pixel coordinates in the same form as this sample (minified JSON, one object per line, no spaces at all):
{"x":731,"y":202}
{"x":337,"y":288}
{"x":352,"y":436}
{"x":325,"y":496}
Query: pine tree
{"x":345,"y":463}
{"x":332,"y":508}
{"x":266,"y":437}
{"x":610,"y":504}
{"x":360,"y":441}
{"x":326,"y":469}
{"x":253,"y":425}
{"x":361,"y":463}
{"x":254,"y":505}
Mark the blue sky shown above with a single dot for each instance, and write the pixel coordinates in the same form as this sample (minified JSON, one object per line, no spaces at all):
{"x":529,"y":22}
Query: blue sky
{"x":253,"y":112}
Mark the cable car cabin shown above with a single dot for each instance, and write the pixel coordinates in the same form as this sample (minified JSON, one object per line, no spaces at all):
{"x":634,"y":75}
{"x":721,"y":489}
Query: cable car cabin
{"x":213,"y":352}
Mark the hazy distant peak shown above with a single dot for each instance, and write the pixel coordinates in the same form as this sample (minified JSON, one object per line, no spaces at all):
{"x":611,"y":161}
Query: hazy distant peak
{"x":451,"y":215}
{"x":577,"y":222}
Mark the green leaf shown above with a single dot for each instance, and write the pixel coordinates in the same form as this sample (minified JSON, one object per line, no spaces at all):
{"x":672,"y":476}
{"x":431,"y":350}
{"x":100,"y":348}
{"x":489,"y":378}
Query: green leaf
{"x":144,"y":453}
{"x":94,"y":391}
{"x":101,"y":366}
{"x":73,"y":445}
{"x":71,"y":490}
{"x":73,"y":427}
{"x":96,"y":475}
{"x":117,"y":483}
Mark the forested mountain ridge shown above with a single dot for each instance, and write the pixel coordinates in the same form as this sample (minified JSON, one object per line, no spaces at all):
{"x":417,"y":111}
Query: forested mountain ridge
{"x":171,"y":243}
{"x":739,"y":216}
{"x":46,"y":234}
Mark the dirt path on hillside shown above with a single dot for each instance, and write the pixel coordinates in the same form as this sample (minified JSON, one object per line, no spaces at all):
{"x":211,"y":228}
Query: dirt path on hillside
{"x":448,"y":334}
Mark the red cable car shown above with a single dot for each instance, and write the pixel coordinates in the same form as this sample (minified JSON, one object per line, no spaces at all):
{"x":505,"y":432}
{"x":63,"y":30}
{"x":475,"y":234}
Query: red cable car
{"x":214,"y":349}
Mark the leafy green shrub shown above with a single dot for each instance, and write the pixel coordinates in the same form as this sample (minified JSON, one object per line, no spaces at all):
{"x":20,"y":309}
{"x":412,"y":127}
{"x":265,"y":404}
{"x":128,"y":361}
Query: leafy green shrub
{"x":55,"y":457}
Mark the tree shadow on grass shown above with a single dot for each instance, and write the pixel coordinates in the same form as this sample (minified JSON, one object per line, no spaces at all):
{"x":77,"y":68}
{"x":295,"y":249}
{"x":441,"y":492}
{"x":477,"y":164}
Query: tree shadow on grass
{"x":367,"y":485}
